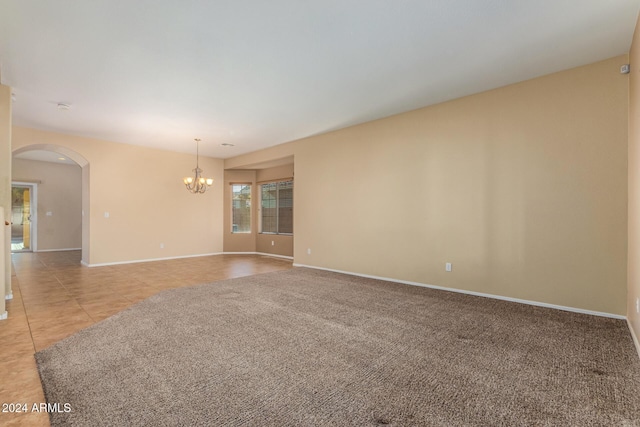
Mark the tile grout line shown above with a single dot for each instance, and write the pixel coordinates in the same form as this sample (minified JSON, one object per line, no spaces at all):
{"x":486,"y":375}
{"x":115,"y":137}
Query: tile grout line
{"x":26,"y":315}
{"x":74,"y":299}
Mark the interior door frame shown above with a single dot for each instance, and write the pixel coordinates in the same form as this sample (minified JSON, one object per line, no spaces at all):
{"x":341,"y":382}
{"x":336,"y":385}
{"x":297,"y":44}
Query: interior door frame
{"x":33,"y":211}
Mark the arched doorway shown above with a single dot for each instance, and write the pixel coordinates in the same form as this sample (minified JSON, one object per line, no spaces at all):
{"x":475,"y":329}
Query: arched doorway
{"x":83,"y":163}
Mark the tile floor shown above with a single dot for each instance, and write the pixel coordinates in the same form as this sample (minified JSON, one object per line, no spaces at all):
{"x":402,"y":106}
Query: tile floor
{"x":54,"y":297}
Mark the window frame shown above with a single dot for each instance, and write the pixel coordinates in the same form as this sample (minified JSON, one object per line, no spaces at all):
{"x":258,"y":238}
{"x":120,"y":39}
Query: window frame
{"x":241,"y":184}
{"x":277,"y":207}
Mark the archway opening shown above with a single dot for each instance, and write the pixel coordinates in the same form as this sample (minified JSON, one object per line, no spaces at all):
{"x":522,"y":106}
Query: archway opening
{"x":56,"y":158}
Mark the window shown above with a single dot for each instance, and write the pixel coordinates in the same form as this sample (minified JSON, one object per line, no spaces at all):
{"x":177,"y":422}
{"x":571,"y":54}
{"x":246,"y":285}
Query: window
{"x":276,"y":212}
{"x":240,"y":208}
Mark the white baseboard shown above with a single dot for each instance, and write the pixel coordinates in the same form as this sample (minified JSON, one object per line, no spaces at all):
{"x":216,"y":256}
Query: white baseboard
{"x":634,"y":336}
{"x":4,"y":315}
{"x":478,"y":294}
{"x":258,"y":253}
{"x":9,"y":296}
{"x":105,"y":264}
{"x":58,"y":250}
{"x":274,"y":255}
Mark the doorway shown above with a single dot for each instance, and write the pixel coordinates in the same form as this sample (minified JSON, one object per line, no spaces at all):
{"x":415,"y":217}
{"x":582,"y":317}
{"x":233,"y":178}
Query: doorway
{"x":23,"y":216}
{"x":51,"y":152}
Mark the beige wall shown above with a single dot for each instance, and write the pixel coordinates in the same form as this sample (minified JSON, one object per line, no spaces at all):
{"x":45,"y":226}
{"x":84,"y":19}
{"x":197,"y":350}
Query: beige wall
{"x":633,"y":284}
{"x":275,"y":244}
{"x":257,"y":159}
{"x":275,"y":173}
{"x":142,"y":190}
{"x":523,"y":189}
{"x":59,"y":194}
{"x":5,"y":190}
{"x":255,"y":242}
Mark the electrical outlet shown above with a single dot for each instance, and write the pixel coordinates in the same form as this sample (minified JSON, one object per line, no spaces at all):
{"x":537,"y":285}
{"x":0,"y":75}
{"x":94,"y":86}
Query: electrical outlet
{"x":637,"y":305}
{"x":308,"y":251}
{"x":161,"y":245}
{"x":273,"y":243}
{"x":447,"y":266}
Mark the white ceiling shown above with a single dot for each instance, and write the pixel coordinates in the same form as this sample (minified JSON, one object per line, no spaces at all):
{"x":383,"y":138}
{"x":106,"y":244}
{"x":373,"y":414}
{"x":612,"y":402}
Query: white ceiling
{"x":259,"y":73}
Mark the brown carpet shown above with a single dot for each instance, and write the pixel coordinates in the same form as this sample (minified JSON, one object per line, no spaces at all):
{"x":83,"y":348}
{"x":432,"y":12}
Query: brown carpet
{"x":306,"y":348}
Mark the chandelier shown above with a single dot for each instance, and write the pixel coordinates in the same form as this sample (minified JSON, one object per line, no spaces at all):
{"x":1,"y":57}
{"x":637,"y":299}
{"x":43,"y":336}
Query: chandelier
{"x":197,"y":184}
